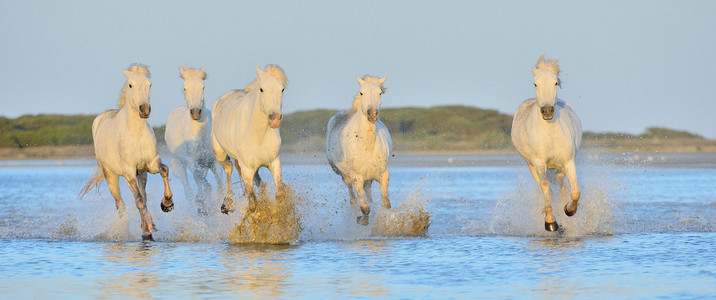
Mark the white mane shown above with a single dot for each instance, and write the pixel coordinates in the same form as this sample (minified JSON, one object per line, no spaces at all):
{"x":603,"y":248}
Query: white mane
{"x":136,"y":68}
{"x":367,"y":78}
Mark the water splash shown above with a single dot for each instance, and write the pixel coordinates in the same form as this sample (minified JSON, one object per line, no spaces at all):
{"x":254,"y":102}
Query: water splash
{"x":273,"y":222}
{"x":408,"y":219}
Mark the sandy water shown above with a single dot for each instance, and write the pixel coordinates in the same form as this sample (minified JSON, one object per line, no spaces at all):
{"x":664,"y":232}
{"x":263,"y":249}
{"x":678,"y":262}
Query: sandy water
{"x":645,"y":227}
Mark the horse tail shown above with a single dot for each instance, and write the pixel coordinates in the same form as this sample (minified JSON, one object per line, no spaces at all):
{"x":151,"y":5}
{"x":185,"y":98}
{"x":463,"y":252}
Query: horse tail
{"x":96,"y":178}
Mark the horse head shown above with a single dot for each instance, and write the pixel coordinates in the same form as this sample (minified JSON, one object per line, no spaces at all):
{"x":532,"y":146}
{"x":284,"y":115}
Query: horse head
{"x":368,"y":99}
{"x":271,"y":84}
{"x":136,"y":90}
{"x":546,"y":74}
{"x":194,"y":89}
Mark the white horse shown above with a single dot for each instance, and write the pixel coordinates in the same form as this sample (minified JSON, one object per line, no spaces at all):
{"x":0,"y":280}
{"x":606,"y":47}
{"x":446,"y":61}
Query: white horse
{"x":125,"y":145}
{"x":358,"y":146}
{"x":188,"y":136}
{"x":547,"y":133}
{"x":245,"y":127}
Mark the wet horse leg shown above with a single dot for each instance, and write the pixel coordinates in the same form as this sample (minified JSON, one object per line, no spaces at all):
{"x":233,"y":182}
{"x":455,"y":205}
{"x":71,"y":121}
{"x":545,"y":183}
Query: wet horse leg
{"x":130,"y":176}
{"x":248,"y":176}
{"x":113,"y":185}
{"x":352,"y":195}
{"x":156,"y":166}
{"x":180,"y":172}
{"x":359,"y":187}
{"x":384,"y":180}
{"x":539,"y":172}
{"x":571,"y":171}
{"x":275,"y":169}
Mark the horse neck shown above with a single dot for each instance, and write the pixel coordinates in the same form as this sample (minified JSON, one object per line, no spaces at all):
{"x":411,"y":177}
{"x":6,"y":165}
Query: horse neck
{"x":365,"y":131}
{"x":259,"y":120}
{"x":131,"y":117}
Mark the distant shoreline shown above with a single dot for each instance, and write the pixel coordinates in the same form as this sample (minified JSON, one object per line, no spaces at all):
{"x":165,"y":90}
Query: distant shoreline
{"x":645,"y":149}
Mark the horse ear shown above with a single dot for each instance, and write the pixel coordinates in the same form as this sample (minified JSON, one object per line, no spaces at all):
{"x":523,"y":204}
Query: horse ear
{"x":383,"y":79}
{"x":182,"y":70}
{"x":534,"y":71}
{"x":360,"y":80}
{"x":258,"y":70}
{"x":126,"y":73}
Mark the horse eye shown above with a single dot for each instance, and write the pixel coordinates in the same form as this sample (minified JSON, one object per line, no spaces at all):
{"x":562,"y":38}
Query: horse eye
{"x":381,"y":93}
{"x":361,"y":93}
{"x":535,"y":84}
{"x":282,"y":90}
{"x":556,"y":83}
{"x":262,"y":90}
{"x":130,"y":85}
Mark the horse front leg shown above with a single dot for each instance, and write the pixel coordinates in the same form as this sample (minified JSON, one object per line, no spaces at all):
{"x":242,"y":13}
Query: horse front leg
{"x":275,"y":168}
{"x":359,"y":187}
{"x":113,"y":185}
{"x":247,"y":176}
{"x":156,"y":166}
{"x":539,"y":173}
{"x":384,"y":180}
{"x":180,"y":172}
{"x":571,"y":171}
{"x":203,"y":188}
{"x":147,"y":225}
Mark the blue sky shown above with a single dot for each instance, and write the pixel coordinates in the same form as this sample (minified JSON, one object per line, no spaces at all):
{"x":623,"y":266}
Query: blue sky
{"x":626,"y":65}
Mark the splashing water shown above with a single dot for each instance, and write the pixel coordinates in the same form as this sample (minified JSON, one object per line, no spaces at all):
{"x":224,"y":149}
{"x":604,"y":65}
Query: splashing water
{"x":408,"y":219}
{"x":273,"y":222}
{"x":520,"y":211}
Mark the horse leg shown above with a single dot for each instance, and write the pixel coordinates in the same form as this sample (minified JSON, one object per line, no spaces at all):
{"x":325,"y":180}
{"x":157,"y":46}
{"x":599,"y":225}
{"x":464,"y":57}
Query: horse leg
{"x":156,"y":166}
{"x":223,"y":159}
{"x":384,"y":180}
{"x":359,"y":187}
{"x":203,"y":188}
{"x":113,"y":185}
{"x":368,"y":189}
{"x":247,"y":176}
{"x":215,"y":170}
{"x":349,"y":184}
{"x":539,"y":173}
{"x":180,"y":172}
{"x":147,"y":225}
{"x":571,"y":171}
{"x":275,"y":168}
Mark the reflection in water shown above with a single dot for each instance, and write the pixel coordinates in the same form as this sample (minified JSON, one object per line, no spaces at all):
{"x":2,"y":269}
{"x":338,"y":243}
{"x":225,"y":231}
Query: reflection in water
{"x":372,"y":255}
{"x":131,"y":270}
{"x":257,"y":270}
{"x":550,"y":256}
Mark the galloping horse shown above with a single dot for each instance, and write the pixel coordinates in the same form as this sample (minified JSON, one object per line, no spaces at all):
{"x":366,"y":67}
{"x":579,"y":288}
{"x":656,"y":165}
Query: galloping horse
{"x":125,"y":145}
{"x":358,"y":146}
{"x":547,"y":133}
{"x":188,"y":136}
{"x":245,"y":127}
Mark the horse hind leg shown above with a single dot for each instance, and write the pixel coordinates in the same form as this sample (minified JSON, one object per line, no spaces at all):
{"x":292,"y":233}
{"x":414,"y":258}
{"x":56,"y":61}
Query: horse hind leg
{"x":349,"y":184}
{"x":384,"y":180}
{"x":113,"y":185}
{"x":571,"y":171}
{"x":141,"y":202}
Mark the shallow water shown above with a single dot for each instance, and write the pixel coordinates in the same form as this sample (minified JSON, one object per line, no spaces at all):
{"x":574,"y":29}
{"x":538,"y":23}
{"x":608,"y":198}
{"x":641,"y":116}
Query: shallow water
{"x":645,"y":227}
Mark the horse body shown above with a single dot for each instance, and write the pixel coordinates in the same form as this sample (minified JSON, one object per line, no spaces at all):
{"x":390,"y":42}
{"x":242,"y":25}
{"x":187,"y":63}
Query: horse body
{"x":188,"y":137}
{"x":246,"y":128}
{"x":358,"y":146}
{"x":125,"y":145}
{"x":547,"y":133}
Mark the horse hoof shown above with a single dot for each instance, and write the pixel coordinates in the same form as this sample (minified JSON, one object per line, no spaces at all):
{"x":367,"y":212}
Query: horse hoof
{"x":167,"y":208}
{"x":567,"y":212}
{"x":225,"y":210}
{"x":363,"y":220}
{"x":552,"y":227}
{"x":147,"y":237}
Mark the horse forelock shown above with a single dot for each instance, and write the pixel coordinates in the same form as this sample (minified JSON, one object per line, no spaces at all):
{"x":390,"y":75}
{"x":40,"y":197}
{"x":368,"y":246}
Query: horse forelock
{"x":552,"y":65}
{"x":186,"y":72}
{"x":272,"y":70}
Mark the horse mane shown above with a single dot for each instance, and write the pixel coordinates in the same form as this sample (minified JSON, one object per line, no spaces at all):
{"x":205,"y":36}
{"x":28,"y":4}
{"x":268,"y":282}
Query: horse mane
{"x":136,"y":68}
{"x":544,"y":63}
{"x":368,"y":78}
{"x":191,"y":72}
{"x":273,"y":70}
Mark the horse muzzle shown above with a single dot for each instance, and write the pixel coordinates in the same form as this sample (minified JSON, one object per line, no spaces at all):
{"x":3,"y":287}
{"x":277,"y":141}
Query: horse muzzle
{"x":372,"y":114}
{"x":145,"y":110}
{"x":275,"y":120}
{"x":547,"y":112}
{"x":195,"y":113}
